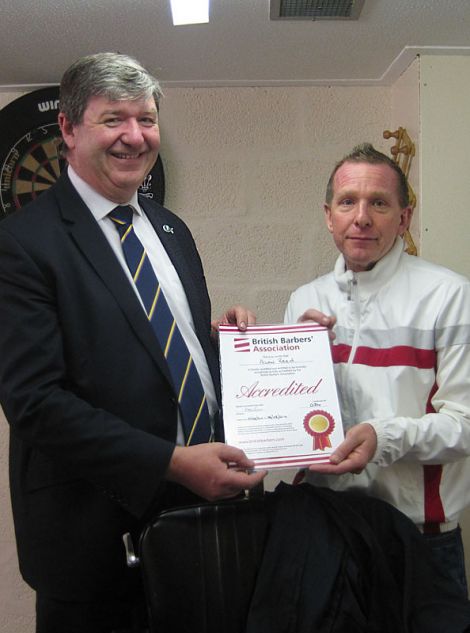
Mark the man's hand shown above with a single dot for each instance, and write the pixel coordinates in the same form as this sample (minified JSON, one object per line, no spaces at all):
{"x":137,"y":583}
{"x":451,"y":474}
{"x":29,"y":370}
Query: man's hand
{"x":322,"y":319}
{"x":237,"y":315}
{"x":213,"y":471}
{"x":353,"y":454}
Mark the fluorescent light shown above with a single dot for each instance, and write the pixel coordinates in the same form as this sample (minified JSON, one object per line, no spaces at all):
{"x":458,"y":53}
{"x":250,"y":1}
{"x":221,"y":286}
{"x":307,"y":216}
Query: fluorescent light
{"x":190,"y":11}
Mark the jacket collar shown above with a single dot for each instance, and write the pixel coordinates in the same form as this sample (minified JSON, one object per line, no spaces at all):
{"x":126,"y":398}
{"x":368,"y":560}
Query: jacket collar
{"x":370,"y":281}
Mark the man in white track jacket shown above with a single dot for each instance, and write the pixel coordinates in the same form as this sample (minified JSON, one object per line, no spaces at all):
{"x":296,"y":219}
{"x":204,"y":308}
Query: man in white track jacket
{"x":402,"y":356}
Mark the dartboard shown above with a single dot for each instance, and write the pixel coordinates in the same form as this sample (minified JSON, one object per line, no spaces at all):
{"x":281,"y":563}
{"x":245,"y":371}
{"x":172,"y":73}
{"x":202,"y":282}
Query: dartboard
{"x":30,"y":158}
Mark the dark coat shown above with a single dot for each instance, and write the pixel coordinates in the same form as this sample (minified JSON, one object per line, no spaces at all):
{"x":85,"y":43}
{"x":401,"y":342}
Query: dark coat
{"x":342,"y":562}
{"x":86,"y":390}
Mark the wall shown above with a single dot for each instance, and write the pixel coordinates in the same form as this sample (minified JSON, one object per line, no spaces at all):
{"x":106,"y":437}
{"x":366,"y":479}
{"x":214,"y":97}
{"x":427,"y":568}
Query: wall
{"x":444,"y":183}
{"x":430,"y":100}
{"x":405,"y":113}
{"x":246,"y":168}
{"x":445,"y":163}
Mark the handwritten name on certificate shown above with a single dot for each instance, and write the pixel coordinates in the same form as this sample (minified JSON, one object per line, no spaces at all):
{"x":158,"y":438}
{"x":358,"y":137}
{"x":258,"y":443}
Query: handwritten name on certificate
{"x":279,"y":394}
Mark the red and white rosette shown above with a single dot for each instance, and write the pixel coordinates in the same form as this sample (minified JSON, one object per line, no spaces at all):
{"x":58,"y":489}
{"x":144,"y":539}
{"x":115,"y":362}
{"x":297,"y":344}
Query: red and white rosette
{"x":319,"y":424}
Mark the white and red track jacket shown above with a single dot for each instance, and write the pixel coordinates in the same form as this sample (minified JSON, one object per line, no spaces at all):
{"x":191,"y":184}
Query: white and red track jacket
{"x":402,"y":363}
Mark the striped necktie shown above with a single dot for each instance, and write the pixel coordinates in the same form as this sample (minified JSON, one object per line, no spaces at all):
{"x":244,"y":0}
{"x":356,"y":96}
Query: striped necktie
{"x":186,"y":381}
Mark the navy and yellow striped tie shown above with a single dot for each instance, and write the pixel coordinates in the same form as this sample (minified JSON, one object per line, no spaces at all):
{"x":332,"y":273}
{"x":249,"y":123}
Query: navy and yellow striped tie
{"x":186,"y":381}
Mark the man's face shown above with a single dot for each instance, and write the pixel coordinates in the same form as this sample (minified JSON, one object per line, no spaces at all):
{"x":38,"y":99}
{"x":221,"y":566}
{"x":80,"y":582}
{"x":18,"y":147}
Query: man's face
{"x":115,"y":146}
{"x":365,"y":215}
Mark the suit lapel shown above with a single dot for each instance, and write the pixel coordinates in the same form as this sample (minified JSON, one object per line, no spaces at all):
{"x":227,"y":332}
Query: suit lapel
{"x":174,"y":242}
{"x":174,"y":245}
{"x":92,"y":243}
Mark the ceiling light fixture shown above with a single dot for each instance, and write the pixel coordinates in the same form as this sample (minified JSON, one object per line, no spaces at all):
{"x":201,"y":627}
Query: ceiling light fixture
{"x":190,"y":11}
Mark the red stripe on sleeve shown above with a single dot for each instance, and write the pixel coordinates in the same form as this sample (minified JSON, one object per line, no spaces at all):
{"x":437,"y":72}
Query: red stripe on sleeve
{"x":340,"y":353}
{"x":387,"y":357}
{"x":433,"y":508}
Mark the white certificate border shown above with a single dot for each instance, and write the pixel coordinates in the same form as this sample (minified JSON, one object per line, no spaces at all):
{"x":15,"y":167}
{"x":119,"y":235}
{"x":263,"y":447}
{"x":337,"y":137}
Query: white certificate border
{"x":282,"y":461}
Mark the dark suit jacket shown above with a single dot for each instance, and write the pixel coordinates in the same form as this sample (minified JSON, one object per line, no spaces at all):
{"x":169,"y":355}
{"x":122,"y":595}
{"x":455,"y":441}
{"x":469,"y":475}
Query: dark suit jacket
{"x":86,"y":391}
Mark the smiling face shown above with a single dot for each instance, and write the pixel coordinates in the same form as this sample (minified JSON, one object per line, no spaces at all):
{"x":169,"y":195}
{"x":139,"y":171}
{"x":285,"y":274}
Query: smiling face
{"x":365,"y":215}
{"x":115,"y":145}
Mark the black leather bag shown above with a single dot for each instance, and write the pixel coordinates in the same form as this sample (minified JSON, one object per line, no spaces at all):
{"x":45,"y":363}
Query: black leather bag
{"x":199,"y":565}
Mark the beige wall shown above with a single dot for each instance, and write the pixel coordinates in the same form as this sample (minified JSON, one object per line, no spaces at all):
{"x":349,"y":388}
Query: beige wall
{"x":444,"y":174}
{"x":445,"y":160}
{"x":247,"y":169}
{"x":405,"y":113}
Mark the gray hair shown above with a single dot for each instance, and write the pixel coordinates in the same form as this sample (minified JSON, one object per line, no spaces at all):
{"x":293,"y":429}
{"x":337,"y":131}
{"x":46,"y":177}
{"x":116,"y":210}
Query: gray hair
{"x":366,"y":153}
{"x":112,"y":75}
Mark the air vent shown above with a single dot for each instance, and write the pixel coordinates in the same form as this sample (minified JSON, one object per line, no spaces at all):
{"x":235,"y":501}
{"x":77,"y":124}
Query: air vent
{"x":315,"y":9}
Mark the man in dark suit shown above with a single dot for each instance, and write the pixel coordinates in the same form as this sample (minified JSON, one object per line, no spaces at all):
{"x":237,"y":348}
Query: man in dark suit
{"x":97,"y":440}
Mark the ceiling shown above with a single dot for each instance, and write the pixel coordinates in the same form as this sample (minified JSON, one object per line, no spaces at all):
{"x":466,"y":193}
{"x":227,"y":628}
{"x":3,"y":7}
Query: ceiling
{"x":240,"y":46}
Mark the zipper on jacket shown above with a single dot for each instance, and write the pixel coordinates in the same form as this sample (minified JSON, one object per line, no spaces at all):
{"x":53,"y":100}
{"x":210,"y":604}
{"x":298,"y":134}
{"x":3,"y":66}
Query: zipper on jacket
{"x":353,"y":295}
{"x":351,"y":282}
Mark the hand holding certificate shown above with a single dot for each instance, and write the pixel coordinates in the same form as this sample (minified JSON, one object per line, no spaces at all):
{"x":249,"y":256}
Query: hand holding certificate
{"x":279,"y":394}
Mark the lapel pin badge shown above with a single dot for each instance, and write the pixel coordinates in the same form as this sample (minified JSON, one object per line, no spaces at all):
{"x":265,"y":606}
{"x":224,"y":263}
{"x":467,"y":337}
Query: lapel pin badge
{"x":168,"y":229}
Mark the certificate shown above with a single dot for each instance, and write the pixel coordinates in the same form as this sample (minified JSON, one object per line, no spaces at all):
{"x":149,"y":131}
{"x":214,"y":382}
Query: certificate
{"x":279,"y":396}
